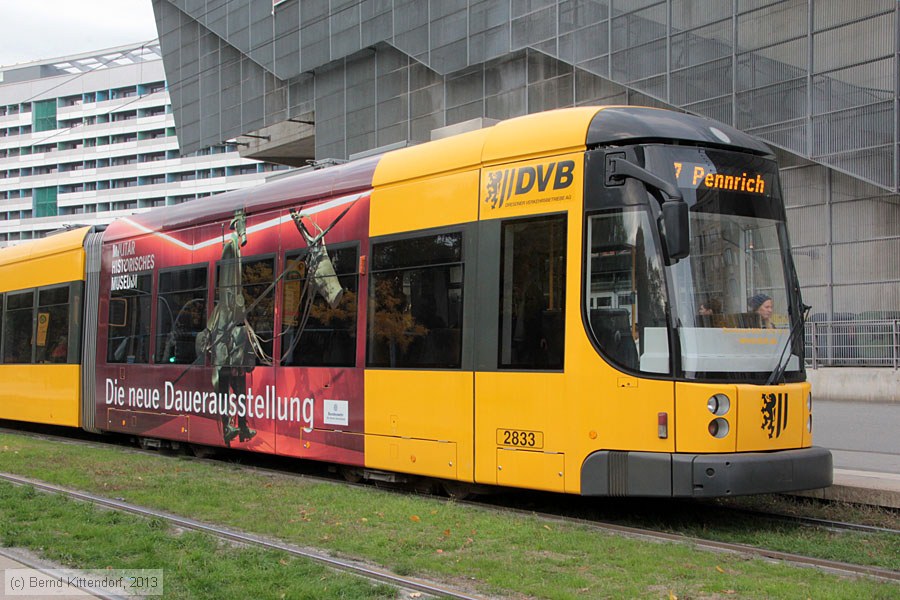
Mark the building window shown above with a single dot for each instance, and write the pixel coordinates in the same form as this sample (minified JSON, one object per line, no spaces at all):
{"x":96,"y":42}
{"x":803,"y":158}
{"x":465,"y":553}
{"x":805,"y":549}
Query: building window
{"x":124,"y":138}
{"x":415,"y":302}
{"x":44,"y":202}
{"x":126,"y":115}
{"x":43,"y":117}
{"x":126,"y":92}
{"x":124,"y":160}
{"x":154,"y":111}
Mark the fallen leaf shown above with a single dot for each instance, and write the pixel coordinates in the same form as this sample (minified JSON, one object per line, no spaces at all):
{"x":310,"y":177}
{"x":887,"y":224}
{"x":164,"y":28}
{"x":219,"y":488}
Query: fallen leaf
{"x":439,"y":551}
{"x":547,"y":527}
{"x":720,"y":569}
{"x":672,"y":596}
{"x":415,"y":519}
{"x":446,"y":533}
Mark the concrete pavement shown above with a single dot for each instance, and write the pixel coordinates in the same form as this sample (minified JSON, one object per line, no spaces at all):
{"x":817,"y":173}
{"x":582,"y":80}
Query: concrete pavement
{"x":864,"y":440}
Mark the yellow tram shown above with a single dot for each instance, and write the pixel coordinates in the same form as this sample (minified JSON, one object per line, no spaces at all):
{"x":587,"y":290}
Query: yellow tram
{"x":596,"y":301}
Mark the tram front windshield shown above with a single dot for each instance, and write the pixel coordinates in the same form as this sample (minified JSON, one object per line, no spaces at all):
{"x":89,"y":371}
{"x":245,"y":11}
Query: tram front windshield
{"x":730,"y":301}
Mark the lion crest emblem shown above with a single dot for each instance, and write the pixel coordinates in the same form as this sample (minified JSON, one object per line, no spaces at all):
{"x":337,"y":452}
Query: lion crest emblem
{"x":494,"y":182}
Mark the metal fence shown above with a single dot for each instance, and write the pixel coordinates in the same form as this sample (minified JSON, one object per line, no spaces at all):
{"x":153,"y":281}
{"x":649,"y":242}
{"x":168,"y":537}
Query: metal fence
{"x":853,"y":343}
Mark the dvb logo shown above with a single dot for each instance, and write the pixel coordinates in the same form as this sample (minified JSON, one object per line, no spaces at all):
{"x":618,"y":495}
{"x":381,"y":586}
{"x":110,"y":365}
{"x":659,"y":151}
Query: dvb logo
{"x":502,"y":185}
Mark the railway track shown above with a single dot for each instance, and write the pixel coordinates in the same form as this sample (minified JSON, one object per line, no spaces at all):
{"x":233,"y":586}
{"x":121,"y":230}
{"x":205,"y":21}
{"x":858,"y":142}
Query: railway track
{"x":598,"y":524}
{"x":815,"y":522}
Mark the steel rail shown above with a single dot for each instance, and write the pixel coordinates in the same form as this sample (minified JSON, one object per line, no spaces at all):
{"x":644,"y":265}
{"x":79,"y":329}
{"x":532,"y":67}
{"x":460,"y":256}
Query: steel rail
{"x":820,"y":563}
{"x":813,"y":521}
{"x":415,"y":584}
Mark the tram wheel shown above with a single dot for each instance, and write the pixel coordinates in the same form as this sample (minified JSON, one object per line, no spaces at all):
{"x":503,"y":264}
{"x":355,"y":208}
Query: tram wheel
{"x":351,"y":474}
{"x":201,"y":451}
{"x":458,"y":490}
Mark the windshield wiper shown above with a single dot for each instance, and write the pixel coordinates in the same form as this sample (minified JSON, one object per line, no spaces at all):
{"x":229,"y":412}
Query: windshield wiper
{"x":780,"y":368}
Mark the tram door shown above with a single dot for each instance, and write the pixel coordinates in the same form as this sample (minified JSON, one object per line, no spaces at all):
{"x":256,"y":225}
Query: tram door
{"x":519,"y":358}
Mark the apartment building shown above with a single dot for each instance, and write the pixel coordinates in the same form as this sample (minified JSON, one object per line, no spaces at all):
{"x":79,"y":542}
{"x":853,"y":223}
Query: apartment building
{"x":85,"y":139}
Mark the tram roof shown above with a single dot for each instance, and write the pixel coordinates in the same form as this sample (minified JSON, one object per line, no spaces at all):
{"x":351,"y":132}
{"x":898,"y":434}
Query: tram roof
{"x":294,"y":190}
{"x":46,"y":246}
{"x":639,"y":124}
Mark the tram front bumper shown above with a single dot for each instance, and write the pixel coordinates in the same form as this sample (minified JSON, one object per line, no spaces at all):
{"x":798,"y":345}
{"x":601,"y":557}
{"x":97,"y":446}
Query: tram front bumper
{"x":615,"y":473}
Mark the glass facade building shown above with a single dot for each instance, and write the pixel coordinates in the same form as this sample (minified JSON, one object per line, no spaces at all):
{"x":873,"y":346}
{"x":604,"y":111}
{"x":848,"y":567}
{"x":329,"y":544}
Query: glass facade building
{"x":87,"y":138}
{"x":815,"y":79}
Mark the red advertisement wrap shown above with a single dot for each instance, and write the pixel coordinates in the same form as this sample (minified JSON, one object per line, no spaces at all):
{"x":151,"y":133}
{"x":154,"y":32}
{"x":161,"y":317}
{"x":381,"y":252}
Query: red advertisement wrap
{"x":221,"y":381}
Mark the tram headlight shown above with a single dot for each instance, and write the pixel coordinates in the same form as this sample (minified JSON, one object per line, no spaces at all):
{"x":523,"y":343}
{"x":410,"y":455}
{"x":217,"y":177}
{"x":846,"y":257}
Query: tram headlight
{"x":718,"y":404}
{"x":718,"y":428}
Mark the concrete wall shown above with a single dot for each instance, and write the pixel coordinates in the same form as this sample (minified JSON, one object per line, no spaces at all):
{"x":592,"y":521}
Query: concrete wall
{"x":855,"y":384}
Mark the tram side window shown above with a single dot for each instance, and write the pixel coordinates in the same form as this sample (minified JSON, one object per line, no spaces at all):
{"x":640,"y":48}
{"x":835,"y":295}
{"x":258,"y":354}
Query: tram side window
{"x":532,"y":293}
{"x":180,"y":314}
{"x":129,"y":323}
{"x":256,"y":298}
{"x":18,"y":327}
{"x":415,"y":303}
{"x":313,"y":332}
{"x":52,"y":340}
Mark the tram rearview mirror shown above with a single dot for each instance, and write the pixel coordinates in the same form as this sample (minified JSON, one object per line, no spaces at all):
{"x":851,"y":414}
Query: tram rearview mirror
{"x":676,"y":229}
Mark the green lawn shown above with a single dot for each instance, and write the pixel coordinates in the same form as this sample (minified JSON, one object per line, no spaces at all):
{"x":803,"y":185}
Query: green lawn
{"x":499,"y":554}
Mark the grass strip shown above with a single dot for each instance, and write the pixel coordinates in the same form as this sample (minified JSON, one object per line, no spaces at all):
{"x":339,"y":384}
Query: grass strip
{"x":195,"y":564}
{"x":502,"y":554}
